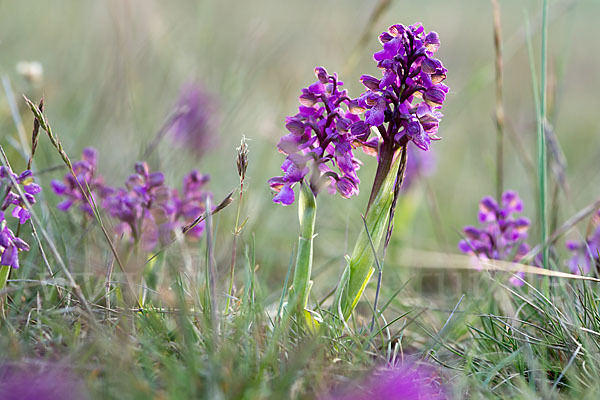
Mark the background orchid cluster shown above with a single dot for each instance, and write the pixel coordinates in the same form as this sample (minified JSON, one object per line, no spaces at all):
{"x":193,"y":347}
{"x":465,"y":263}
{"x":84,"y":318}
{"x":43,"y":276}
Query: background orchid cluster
{"x":586,"y":253}
{"x":501,"y":235}
{"x":328,"y":126}
{"x":149,"y":212}
{"x":11,"y":244}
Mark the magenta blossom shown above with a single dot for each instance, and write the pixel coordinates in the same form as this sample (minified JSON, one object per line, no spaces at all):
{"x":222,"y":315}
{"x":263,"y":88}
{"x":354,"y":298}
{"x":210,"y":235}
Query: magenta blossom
{"x":10,"y":245}
{"x":320,"y":142}
{"x":402,"y":106}
{"x":410,"y":93}
{"x":144,"y":207}
{"x":195,"y":120}
{"x":11,"y":197}
{"x":87,"y":178}
{"x":400,"y":383}
{"x":191,"y":202}
{"x":501,"y":235}
{"x":30,"y":382}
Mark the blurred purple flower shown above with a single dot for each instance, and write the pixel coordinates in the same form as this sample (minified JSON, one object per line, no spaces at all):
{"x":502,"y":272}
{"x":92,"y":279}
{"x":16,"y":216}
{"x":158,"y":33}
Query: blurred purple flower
{"x":501,"y":235}
{"x":29,"y":382}
{"x":585,"y":253}
{"x":195,"y":120}
{"x":69,"y":187}
{"x":144,"y":207}
{"x":401,"y":383}
{"x":12,"y":196}
{"x":191,"y":202}
{"x":320,"y":141}
{"x":419,"y":164}
{"x":10,"y":245}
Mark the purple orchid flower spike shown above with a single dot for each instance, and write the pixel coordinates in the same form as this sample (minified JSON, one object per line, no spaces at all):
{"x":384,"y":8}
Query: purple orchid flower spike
{"x":404,"y":104}
{"x":144,"y":207}
{"x":87,"y":178}
{"x":10,"y":245}
{"x":12,"y":196}
{"x":320,"y":143}
{"x":501,"y":235}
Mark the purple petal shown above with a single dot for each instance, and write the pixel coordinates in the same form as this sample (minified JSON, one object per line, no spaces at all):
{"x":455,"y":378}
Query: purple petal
{"x":33,"y":188}
{"x":10,"y":257}
{"x":65,"y":205}
{"x":285,"y":196}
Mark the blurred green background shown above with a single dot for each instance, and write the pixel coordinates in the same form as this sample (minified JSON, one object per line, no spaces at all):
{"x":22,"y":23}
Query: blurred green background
{"x":112,"y":71}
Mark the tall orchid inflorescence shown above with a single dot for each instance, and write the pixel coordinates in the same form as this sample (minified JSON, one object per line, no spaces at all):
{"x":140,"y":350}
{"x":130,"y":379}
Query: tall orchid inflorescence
{"x":401,"y":107}
{"x":585,"y":253}
{"x":410,"y":93}
{"x":501,"y":235}
{"x":10,"y":244}
{"x":320,"y":140}
{"x":149,"y":212}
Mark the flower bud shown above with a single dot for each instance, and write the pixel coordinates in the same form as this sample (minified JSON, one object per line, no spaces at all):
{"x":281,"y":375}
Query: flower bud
{"x":370,"y":82}
{"x":322,"y":75}
{"x":142,"y":168}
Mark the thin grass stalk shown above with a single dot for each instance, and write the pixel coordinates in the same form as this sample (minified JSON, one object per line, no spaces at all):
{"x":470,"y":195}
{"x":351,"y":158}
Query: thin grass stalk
{"x":499,"y":101}
{"x":233,"y":253}
{"x":301,"y":283}
{"x":210,"y":267}
{"x":285,"y":286}
{"x":224,"y":203}
{"x":360,"y":265}
{"x":242,"y":166}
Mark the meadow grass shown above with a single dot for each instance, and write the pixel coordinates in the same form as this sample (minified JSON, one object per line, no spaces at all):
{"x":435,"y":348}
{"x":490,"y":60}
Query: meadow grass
{"x":208,"y":318}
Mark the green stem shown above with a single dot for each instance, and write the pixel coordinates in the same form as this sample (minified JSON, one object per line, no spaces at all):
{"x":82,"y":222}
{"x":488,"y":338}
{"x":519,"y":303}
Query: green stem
{"x":543,"y":179}
{"x":4,"y":272}
{"x":307,"y":211}
{"x":234,"y":249}
{"x":360,"y":266}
